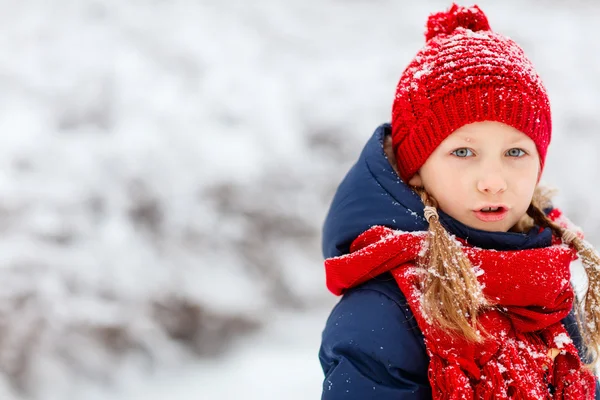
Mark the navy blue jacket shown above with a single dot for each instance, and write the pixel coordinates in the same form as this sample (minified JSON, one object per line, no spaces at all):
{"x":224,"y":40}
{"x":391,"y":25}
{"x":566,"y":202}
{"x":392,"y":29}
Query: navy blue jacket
{"x":372,"y":347}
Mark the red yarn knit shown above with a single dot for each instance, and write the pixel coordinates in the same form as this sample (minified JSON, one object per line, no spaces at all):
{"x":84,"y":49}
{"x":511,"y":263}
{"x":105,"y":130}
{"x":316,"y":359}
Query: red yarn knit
{"x":465,"y":73}
{"x":513,"y":363}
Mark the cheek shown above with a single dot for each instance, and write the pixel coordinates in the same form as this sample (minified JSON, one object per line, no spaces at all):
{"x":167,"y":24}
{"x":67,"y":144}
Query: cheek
{"x":524,"y":185}
{"x":526,"y":179}
{"x":447,"y":186}
{"x":448,"y":177}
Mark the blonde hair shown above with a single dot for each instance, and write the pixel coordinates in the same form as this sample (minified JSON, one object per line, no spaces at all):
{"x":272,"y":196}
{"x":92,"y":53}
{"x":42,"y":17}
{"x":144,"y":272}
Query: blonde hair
{"x":452,"y":297}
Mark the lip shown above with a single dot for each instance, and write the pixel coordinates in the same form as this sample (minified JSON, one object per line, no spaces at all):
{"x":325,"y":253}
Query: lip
{"x":487,"y":217}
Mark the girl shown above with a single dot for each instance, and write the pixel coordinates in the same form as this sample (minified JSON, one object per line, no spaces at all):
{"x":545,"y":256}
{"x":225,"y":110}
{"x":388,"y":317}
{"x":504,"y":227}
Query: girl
{"x":453,"y":263}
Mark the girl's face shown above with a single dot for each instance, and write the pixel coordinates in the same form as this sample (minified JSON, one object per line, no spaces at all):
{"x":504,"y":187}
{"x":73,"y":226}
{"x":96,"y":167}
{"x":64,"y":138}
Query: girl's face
{"x":480,"y":165}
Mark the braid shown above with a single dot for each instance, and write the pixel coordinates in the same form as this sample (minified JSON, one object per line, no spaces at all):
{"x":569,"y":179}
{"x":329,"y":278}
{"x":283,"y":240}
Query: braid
{"x":452,"y":296}
{"x":587,"y":310}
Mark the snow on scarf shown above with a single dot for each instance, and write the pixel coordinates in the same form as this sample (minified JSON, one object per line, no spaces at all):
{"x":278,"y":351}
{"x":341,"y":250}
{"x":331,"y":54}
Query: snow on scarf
{"x":531,"y":292}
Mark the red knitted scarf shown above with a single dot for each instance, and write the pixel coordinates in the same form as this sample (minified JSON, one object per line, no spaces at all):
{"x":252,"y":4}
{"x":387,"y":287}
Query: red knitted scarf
{"x":531,"y":292}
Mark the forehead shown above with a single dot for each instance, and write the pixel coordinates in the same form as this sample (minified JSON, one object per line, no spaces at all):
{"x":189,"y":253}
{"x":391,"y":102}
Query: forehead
{"x":487,"y":131}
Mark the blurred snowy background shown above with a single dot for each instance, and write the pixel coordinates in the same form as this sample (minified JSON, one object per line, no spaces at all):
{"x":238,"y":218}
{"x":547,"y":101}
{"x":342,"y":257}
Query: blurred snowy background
{"x":166,"y":166}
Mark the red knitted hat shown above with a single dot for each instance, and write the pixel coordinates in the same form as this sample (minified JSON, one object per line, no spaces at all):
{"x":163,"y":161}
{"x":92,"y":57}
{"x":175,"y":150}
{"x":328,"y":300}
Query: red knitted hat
{"x":465,"y":73}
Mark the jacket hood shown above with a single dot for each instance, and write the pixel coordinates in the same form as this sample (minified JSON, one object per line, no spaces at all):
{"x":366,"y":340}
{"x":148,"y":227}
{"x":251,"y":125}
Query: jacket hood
{"x":373,"y":194}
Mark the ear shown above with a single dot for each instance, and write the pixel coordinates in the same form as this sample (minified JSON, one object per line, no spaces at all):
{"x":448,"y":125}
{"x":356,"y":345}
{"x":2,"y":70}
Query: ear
{"x":416,"y":180}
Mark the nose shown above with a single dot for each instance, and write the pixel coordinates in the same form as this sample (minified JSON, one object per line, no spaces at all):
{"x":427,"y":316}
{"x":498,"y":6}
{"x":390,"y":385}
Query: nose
{"x":492,"y":183}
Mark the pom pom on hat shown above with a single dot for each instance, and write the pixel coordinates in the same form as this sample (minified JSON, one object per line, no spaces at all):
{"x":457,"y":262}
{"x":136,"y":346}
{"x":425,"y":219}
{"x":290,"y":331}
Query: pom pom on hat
{"x":446,"y":22}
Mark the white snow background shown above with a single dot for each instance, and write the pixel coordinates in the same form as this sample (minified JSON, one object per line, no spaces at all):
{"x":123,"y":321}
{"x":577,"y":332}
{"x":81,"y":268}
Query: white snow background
{"x":165,"y":167}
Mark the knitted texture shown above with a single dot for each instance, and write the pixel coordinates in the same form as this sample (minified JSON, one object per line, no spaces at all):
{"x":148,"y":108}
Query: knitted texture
{"x":465,"y":73}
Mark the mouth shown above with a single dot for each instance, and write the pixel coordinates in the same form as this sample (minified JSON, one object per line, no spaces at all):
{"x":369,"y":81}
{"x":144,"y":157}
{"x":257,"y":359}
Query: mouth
{"x":491,"y":213}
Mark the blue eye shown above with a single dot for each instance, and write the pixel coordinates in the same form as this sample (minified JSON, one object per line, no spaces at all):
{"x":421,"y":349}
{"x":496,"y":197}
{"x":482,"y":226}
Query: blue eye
{"x":515,"y":152}
{"x":463,"y":152}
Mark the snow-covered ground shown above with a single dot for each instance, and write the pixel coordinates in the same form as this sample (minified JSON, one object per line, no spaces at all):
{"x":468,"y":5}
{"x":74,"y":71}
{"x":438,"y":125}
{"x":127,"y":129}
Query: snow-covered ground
{"x":165,"y":167}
